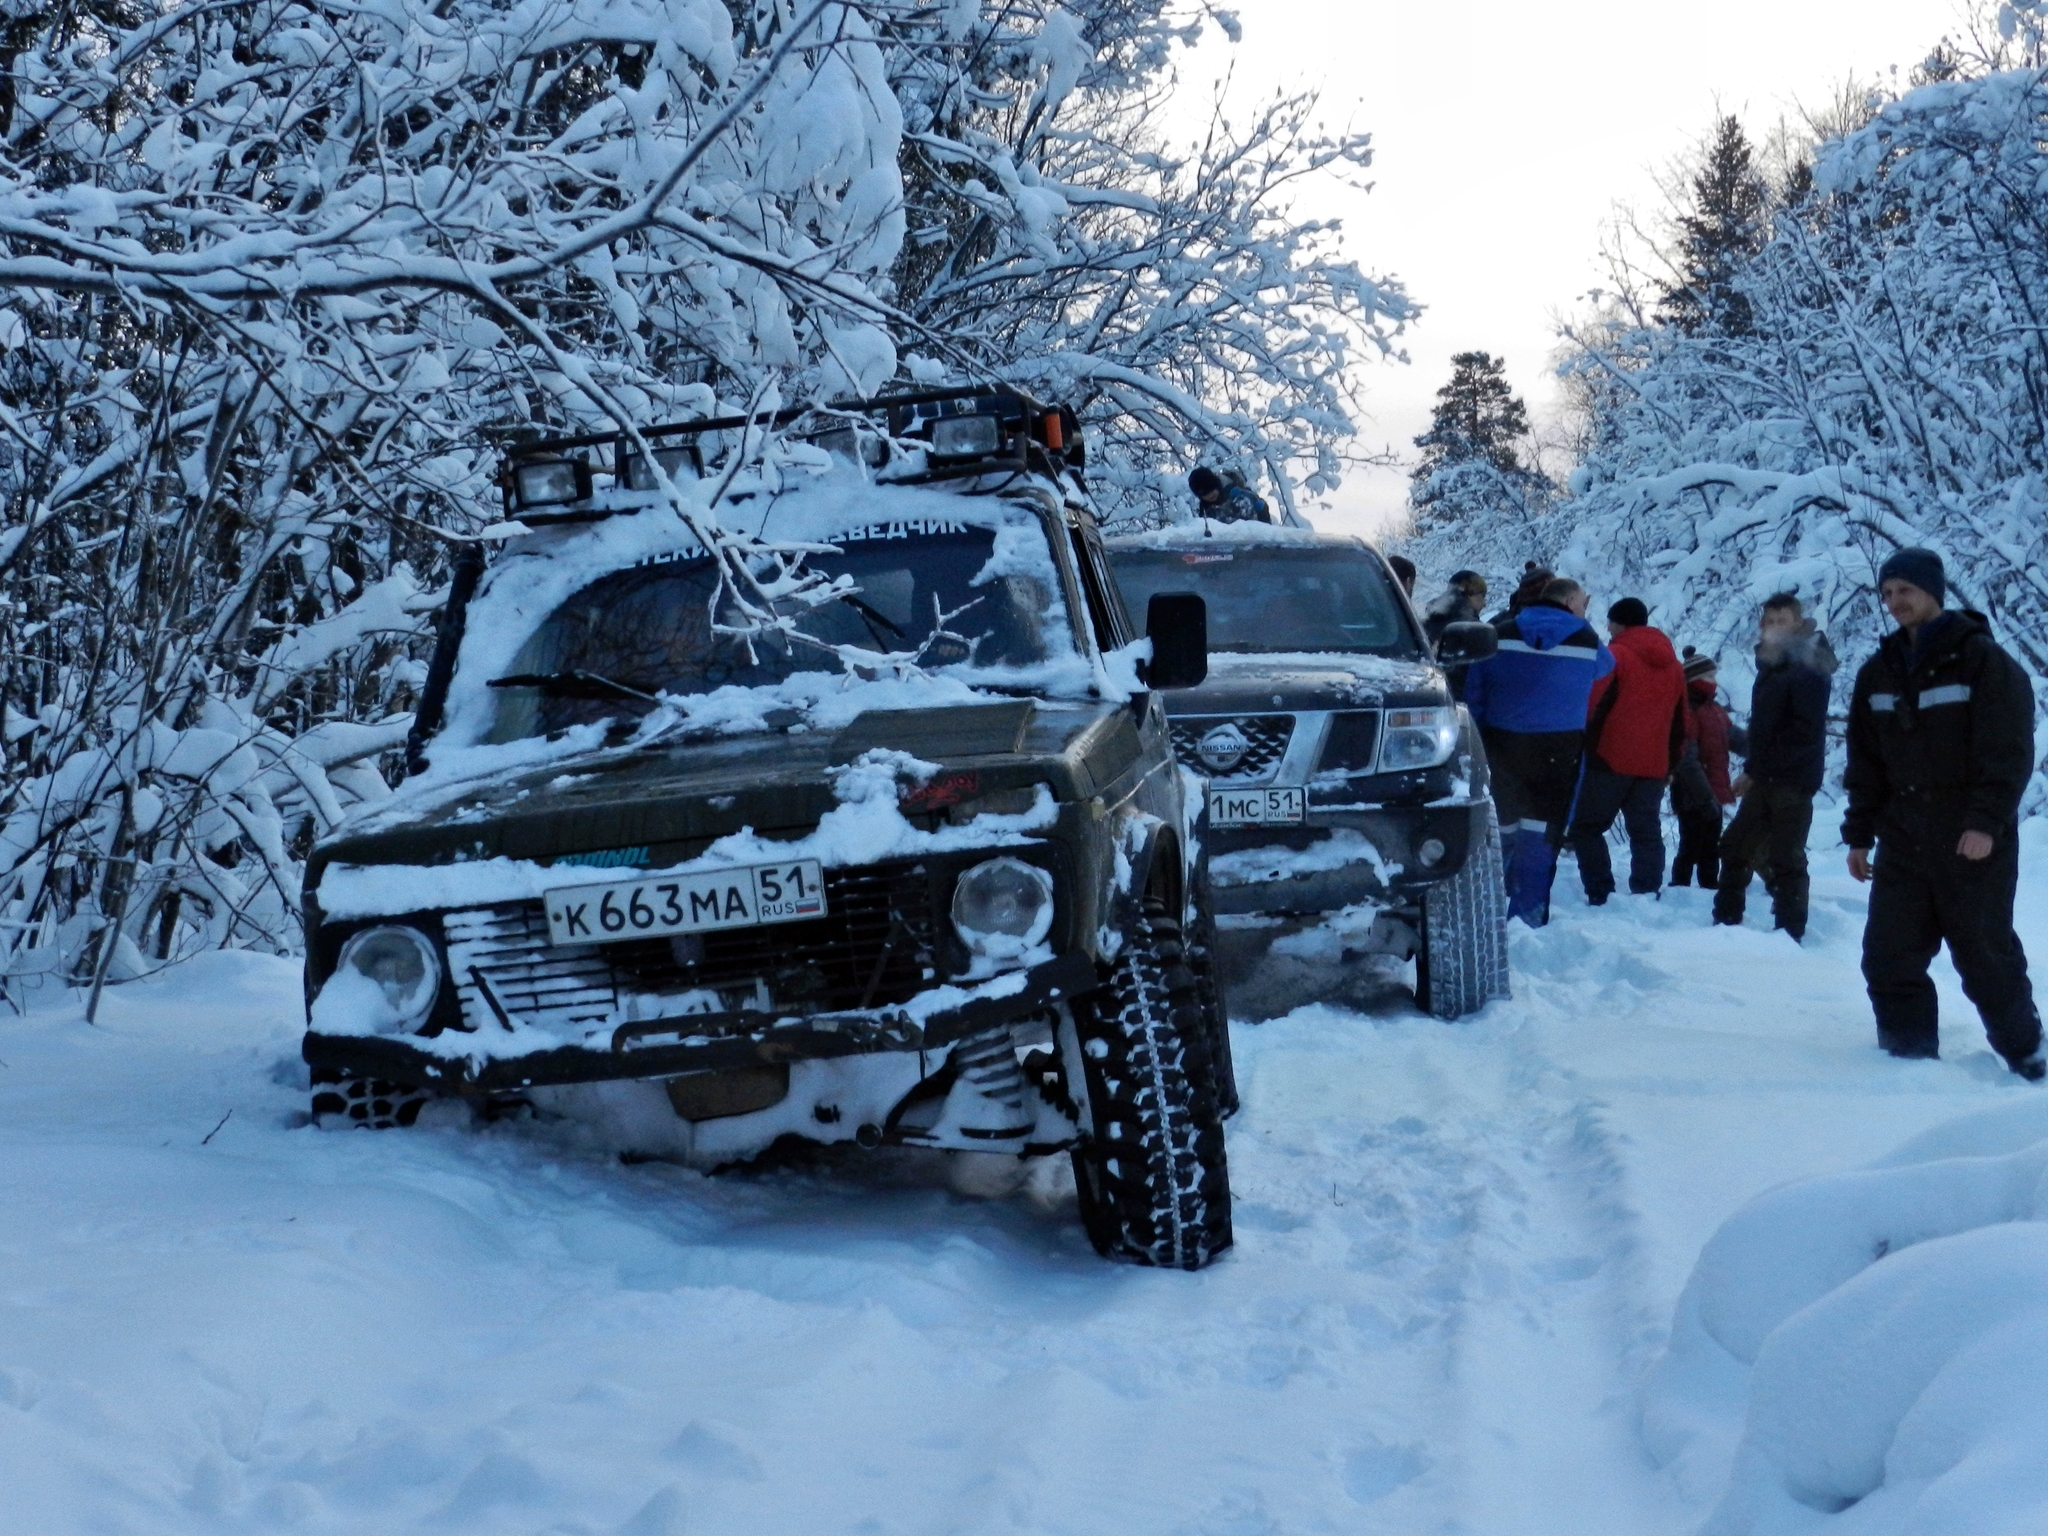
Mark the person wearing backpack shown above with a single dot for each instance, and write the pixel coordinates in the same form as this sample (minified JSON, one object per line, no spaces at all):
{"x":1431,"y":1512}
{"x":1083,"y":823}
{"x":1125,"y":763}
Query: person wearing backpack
{"x":1941,"y":745}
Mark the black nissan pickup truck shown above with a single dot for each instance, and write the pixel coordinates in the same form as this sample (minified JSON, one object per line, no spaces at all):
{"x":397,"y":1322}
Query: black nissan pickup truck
{"x":1340,"y":771}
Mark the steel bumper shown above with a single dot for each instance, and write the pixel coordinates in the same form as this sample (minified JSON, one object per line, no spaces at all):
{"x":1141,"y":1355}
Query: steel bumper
{"x":1394,"y":833}
{"x":714,"y":1041}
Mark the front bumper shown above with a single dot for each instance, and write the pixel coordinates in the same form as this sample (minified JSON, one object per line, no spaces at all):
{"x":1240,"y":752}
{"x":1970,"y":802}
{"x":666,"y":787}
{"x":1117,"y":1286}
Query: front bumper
{"x":1339,"y":858}
{"x":715,"y":1040}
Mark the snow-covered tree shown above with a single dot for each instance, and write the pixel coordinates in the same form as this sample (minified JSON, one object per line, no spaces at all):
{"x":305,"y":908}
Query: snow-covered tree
{"x":1172,"y":293}
{"x":274,"y":268}
{"x":274,"y":274}
{"x":1472,"y":467}
{"x":1891,"y":390}
{"x":1717,"y":235}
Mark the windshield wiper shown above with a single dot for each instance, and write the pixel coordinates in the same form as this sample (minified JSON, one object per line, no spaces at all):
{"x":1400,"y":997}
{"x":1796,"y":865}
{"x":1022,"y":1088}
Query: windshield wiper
{"x":572,"y":685}
{"x":872,"y":616}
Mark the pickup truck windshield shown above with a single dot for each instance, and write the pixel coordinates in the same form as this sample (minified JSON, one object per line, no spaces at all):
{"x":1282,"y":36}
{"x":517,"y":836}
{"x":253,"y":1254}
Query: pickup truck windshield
{"x":939,"y":596}
{"x":1276,"y":599}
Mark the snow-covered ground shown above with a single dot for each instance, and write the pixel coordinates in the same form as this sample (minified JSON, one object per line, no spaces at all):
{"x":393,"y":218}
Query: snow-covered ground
{"x":1459,"y":1253}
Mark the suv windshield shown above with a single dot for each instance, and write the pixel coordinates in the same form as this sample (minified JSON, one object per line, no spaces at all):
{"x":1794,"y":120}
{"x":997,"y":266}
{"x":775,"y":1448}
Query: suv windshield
{"x":934,"y":591}
{"x":1276,"y":599}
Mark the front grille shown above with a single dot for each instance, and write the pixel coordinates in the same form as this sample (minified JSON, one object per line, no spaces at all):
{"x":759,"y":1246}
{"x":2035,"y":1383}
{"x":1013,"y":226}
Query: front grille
{"x":873,"y":947}
{"x":556,"y":989}
{"x":1266,"y":736}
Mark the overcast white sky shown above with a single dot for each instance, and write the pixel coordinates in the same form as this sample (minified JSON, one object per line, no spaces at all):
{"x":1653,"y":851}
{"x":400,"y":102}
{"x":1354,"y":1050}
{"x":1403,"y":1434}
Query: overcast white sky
{"x":1505,"y":134}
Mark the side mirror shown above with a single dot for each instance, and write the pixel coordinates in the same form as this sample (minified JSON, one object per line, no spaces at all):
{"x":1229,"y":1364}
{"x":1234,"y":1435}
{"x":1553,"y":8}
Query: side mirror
{"x":1177,"y":624}
{"x":1467,"y":642}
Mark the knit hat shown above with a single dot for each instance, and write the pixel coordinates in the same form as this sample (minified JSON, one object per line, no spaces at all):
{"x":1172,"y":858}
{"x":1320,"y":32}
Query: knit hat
{"x":1204,"y":481}
{"x":1920,"y":567}
{"x":1630,"y":610}
{"x":1698,"y":666}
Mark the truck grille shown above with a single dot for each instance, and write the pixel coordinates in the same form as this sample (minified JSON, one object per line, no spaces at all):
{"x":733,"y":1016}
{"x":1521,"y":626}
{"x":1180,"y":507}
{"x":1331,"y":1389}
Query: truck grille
{"x":1266,"y":738}
{"x":873,"y":947}
{"x":1353,"y":743}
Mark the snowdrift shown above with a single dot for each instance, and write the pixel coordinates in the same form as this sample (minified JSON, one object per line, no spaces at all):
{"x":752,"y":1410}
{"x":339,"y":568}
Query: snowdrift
{"x":1870,"y":1347}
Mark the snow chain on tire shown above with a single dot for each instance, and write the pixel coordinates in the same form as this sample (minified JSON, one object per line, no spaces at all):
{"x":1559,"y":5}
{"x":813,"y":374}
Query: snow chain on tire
{"x":1463,"y":963}
{"x":369,"y":1103}
{"x":1153,"y":1182}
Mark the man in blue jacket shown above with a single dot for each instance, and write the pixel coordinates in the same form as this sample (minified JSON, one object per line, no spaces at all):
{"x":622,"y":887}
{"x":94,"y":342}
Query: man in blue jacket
{"x":1529,"y":702}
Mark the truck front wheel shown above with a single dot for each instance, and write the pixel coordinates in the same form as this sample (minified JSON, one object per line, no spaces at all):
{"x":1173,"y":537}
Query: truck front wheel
{"x":1462,"y":964}
{"x":1150,"y":1169}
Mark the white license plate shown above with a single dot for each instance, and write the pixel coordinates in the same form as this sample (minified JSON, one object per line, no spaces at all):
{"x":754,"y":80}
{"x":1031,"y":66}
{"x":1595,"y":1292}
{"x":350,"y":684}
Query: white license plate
{"x":1257,"y":807}
{"x":722,"y":898}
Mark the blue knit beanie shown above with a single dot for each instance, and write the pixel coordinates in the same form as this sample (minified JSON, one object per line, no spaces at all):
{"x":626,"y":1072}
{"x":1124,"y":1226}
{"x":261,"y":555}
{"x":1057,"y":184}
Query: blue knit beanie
{"x":1921,"y":567}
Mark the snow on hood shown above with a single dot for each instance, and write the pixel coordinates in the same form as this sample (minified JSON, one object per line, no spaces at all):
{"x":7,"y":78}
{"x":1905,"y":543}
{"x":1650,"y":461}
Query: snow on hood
{"x":1197,"y":532}
{"x":1375,"y":673}
{"x":866,"y":827}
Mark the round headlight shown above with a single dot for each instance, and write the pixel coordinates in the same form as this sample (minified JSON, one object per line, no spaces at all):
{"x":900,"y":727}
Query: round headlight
{"x":401,"y":963}
{"x":1003,"y":907}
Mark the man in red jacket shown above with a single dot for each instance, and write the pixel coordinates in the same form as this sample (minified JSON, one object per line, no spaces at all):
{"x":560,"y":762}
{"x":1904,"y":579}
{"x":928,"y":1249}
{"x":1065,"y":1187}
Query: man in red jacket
{"x":1636,"y":729}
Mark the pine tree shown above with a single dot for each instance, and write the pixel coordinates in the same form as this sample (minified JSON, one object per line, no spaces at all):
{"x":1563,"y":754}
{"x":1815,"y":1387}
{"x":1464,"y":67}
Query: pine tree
{"x":1470,"y":455}
{"x":1724,"y":229}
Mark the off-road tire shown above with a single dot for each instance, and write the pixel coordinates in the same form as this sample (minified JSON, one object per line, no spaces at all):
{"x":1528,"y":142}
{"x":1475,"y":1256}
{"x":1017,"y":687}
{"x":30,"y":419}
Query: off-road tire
{"x":1153,"y":1182}
{"x":1462,"y":964}
{"x":1201,"y":959}
{"x":370,"y":1103}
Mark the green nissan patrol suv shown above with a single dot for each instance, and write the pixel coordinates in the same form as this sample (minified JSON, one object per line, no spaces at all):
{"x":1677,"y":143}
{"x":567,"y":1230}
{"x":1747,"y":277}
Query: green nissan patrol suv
{"x":912,"y":864}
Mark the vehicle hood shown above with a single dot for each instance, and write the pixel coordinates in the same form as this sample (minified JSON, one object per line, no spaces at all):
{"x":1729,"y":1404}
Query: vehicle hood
{"x":665,"y":802}
{"x":1242,"y":683}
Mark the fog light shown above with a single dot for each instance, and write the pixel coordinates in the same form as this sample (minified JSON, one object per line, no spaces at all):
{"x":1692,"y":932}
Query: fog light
{"x":1003,"y":907}
{"x":960,"y":437}
{"x":551,"y":482}
{"x":1431,"y":853}
{"x":401,"y":964}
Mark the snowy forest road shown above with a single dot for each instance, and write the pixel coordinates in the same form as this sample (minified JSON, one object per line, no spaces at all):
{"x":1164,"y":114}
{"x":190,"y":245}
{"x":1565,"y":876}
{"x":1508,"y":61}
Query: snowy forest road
{"x":1458,"y":1249}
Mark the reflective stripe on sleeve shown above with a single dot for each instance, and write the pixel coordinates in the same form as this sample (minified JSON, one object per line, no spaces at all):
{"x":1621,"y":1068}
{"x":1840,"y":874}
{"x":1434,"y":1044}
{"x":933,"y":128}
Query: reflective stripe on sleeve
{"x":1555,"y":653}
{"x":1527,"y":824}
{"x":1948,"y":693}
{"x":1884,"y":703}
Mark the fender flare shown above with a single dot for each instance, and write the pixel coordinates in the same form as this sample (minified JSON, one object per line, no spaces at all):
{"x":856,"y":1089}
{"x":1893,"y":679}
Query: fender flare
{"x":1153,"y":849}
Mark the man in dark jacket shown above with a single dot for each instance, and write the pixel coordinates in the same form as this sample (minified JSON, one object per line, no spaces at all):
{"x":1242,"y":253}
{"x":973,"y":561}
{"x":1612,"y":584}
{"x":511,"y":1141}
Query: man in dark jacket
{"x":1788,"y":748}
{"x":1635,"y":732}
{"x":1529,"y":701}
{"x":1941,"y":744}
{"x":1227,"y":500}
{"x":1462,"y":601}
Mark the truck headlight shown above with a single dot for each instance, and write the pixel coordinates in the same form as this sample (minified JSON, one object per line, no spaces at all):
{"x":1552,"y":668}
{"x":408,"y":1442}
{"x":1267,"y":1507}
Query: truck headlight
{"x":1418,"y":738}
{"x":401,"y":964}
{"x":1002,"y":907}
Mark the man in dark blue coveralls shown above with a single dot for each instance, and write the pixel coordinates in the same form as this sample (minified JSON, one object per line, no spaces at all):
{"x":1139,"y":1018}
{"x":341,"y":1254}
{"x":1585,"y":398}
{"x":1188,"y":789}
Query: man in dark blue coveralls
{"x":1529,"y":702}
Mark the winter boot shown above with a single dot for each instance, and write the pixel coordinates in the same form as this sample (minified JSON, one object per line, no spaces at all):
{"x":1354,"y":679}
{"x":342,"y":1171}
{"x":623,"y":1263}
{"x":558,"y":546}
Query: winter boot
{"x":1532,"y":867}
{"x":2033,"y":1068}
{"x":1788,"y":905}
